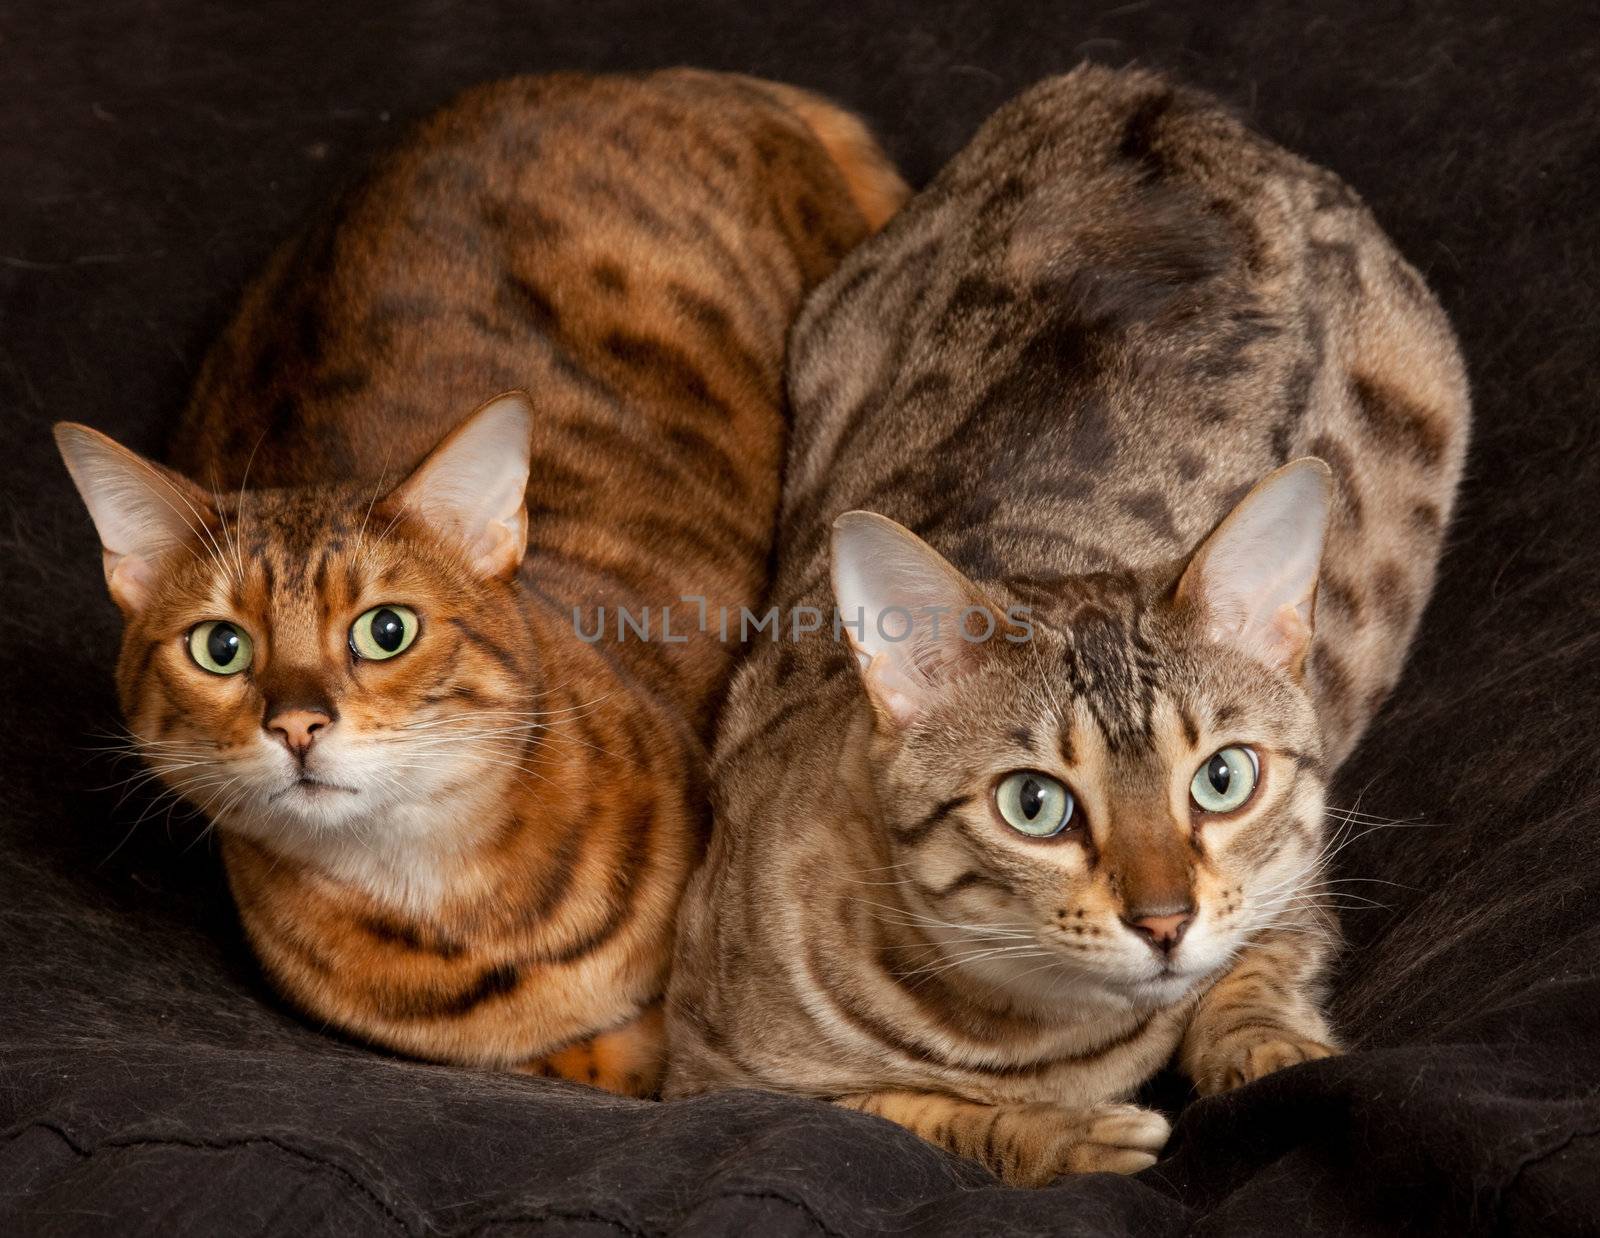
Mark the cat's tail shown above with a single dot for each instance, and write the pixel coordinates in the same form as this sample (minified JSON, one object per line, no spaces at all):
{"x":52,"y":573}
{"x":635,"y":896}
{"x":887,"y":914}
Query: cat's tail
{"x":875,"y":187}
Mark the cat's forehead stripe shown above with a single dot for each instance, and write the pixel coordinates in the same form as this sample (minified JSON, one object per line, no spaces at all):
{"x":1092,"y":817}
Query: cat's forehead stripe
{"x":1104,"y":669}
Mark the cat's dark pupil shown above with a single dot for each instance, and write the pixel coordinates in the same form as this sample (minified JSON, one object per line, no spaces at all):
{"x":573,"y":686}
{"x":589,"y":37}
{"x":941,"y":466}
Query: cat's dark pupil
{"x":388,"y":630}
{"x":1031,"y":800}
{"x":1219,"y":774}
{"x":222,"y":643}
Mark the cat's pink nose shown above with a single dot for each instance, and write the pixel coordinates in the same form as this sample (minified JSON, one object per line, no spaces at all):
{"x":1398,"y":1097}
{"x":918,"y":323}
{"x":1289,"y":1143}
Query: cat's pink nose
{"x":1164,"y":932}
{"x":298,"y":728}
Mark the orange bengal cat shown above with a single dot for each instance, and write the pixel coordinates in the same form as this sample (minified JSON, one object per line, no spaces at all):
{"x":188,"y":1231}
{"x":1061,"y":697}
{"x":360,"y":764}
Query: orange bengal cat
{"x":454,"y":826}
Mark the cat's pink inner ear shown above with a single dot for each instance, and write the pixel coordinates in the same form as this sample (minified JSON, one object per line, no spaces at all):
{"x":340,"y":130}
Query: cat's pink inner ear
{"x":901,"y":606}
{"x":890,"y":689}
{"x":472,"y":488}
{"x":1254,"y":579}
{"x":141,"y":510}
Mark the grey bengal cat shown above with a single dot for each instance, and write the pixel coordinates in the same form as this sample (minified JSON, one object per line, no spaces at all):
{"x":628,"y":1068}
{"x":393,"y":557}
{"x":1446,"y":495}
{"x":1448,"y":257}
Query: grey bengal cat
{"x":1150,"y":399}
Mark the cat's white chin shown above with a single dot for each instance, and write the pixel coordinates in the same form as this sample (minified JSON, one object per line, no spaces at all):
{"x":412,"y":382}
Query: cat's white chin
{"x":346,"y":786}
{"x":1165,"y":988}
{"x":1076,"y":984}
{"x":1197,"y":959}
{"x":395,"y":827}
{"x":309,"y":789}
{"x":318,"y":801}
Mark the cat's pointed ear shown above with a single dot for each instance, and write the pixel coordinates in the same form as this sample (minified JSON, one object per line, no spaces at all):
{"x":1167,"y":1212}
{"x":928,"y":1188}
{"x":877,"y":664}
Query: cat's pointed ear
{"x":472,"y":488}
{"x":141,"y":510}
{"x":914,"y":621}
{"x":1254,"y":579}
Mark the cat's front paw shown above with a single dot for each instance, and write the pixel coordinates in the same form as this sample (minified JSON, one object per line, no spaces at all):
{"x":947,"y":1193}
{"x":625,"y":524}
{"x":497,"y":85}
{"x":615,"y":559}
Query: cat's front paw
{"x":1032,"y":1145}
{"x":1118,"y":1139}
{"x":1245,"y":1061}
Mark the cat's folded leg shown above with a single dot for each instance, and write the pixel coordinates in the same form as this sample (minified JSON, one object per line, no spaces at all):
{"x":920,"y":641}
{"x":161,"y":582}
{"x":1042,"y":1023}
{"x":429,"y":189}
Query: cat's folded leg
{"x":1026,"y":1144}
{"x":629,"y":1060}
{"x":1255,"y":1020}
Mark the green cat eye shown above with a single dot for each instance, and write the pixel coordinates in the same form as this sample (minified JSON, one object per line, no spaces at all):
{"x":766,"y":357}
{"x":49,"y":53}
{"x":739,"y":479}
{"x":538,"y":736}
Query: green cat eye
{"x":1034,"y":804}
{"x":383,"y":632}
{"x":1225,"y":781}
{"x":220,"y":647}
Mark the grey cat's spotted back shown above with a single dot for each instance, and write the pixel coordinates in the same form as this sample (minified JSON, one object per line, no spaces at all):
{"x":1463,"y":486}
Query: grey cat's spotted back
{"x":1061,"y":367}
{"x":1160,"y":306}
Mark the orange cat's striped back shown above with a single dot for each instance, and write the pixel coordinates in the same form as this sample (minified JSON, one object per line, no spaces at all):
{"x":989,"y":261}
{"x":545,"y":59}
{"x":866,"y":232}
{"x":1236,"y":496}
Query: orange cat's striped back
{"x":454,"y":825}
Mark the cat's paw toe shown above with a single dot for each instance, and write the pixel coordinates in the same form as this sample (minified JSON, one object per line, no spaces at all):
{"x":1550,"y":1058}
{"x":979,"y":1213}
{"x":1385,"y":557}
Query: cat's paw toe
{"x":1263,"y":1057}
{"x":1119,"y":1139}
